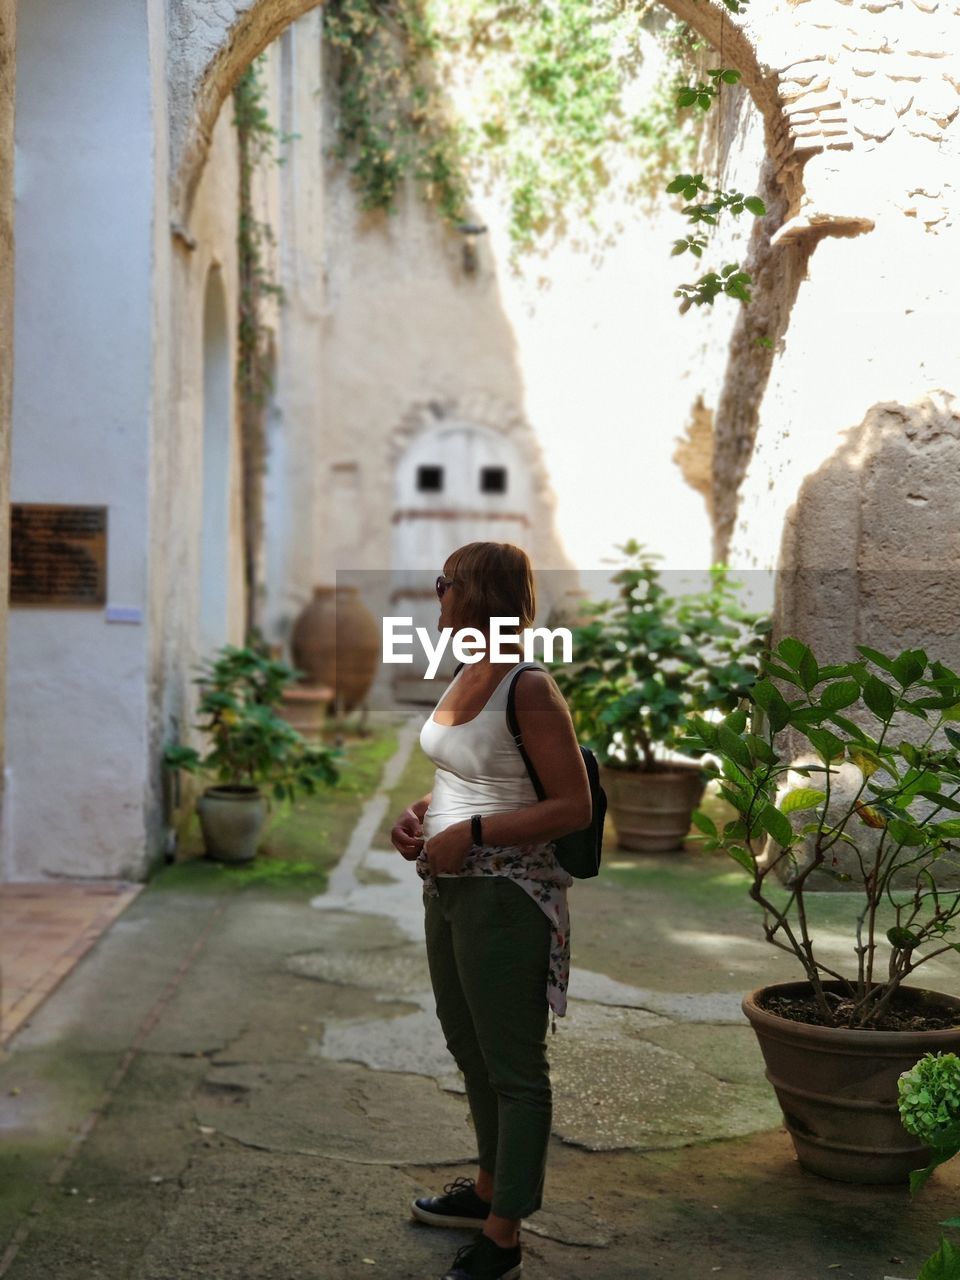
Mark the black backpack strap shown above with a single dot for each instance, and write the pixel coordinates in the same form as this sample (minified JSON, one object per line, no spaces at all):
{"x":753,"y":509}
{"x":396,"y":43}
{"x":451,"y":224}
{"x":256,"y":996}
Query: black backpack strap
{"x":514,"y":728}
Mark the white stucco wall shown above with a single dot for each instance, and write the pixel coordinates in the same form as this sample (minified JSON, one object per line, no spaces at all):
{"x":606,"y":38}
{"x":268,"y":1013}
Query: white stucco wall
{"x":76,"y":712}
{"x":8,"y":69}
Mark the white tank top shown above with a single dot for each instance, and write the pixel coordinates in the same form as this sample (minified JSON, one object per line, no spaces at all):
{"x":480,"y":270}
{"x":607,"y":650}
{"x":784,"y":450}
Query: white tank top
{"x":479,"y":767}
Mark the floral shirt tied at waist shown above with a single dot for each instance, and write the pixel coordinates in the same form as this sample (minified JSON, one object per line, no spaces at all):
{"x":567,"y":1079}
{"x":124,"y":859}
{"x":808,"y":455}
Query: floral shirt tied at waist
{"x":535,"y":868}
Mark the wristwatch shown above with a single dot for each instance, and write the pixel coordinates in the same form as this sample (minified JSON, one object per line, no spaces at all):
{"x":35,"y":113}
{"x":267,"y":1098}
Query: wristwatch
{"x":476,"y":830}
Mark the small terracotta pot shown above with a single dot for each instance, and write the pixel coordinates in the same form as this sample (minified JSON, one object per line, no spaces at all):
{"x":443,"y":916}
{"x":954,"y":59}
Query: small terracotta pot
{"x":651,"y":811}
{"x":837,"y":1087}
{"x":232,"y":819}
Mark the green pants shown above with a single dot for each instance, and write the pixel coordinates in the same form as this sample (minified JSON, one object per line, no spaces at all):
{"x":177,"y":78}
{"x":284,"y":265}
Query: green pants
{"x":488,"y":947}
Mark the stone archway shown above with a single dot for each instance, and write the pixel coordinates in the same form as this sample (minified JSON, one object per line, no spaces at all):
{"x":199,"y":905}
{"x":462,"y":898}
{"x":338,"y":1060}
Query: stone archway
{"x":780,"y":58}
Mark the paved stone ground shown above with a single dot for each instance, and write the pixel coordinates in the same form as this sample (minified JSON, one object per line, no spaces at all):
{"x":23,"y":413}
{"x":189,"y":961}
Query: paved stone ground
{"x":254,"y":1087}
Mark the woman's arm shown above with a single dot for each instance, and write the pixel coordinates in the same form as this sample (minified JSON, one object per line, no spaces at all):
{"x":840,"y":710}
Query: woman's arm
{"x":420,"y":807}
{"x":550,"y":741}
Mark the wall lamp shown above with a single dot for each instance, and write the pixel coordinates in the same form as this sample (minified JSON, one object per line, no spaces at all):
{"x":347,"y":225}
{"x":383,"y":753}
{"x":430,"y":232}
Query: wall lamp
{"x":471,"y":232}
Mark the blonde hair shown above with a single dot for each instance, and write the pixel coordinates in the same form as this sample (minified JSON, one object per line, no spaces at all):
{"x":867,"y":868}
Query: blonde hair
{"x":493,"y":580}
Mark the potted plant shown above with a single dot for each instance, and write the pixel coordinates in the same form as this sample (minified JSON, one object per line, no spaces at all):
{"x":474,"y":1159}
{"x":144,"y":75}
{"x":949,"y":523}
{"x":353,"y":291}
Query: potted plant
{"x":836,"y":1041}
{"x":253,"y":753}
{"x":642,"y":663}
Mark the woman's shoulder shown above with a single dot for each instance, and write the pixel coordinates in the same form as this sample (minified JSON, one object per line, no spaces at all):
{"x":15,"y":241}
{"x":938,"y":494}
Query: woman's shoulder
{"x":536,"y":689}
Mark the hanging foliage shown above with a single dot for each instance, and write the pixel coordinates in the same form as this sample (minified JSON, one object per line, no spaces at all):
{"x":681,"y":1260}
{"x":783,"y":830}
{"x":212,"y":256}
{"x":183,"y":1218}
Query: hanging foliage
{"x":256,"y":138}
{"x":550,"y":116}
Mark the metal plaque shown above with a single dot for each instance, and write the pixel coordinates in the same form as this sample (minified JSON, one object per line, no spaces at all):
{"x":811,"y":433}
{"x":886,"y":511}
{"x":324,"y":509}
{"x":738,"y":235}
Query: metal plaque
{"x":58,"y":554}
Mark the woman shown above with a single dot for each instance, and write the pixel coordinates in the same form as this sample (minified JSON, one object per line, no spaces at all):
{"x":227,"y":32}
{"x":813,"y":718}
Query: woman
{"x":496,"y":922}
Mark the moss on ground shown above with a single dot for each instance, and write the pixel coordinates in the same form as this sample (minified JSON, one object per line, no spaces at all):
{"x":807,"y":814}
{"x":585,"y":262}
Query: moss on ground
{"x":302,"y":844}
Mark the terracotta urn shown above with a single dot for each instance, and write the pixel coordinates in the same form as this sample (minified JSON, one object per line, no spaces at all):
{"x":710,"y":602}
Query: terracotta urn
{"x":336,"y":642}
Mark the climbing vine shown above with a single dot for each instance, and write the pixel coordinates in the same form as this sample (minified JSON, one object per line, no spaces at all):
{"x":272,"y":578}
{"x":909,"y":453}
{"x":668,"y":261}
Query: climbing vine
{"x":549,"y":115}
{"x":256,"y":138}
{"x":703,"y":214}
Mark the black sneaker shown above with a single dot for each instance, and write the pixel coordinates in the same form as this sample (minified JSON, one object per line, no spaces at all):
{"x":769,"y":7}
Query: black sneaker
{"x":459,"y":1207}
{"x":485,"y":1260}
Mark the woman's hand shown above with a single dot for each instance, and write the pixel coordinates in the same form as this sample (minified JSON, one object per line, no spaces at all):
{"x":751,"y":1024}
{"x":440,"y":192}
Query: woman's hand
{"x":407,"y":835}
{"x":447,"y":850}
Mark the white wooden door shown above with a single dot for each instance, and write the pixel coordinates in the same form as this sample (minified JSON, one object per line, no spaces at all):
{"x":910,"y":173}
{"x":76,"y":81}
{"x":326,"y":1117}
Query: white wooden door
{"x":454,"y":484}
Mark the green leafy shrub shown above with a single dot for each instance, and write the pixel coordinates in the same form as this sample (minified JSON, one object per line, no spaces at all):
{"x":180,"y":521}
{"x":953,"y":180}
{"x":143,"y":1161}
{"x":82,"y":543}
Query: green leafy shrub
{"x":249,"y":744}
{"x":647,"y":660}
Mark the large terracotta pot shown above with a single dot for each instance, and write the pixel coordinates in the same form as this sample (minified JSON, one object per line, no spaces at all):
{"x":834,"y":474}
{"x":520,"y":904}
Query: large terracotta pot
{"x":837,"y":1088}
{"x":336,"y":641}
{"x":231,"y":819}
{"x":651,"y":811}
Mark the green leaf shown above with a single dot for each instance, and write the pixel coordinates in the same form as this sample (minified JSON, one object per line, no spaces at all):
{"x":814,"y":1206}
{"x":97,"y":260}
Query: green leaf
{"x":905,"y":833}
{"x":781,"y":673}
{"x":769,"y":697}
{"x":942,"y":1265}
{"x":730,"y":76}
{"x":885,"y":663}
{"x":943,"y":801}
{"x":909,"y":666}
{"x":739,"y":854}
{"x":733,"y":746}
{"x":953,"y":737}
{"x":809,"y":671}
{"x":848,"y":726}
{"x":755,"y":205}
{"x":792,"y":651}
{"x":773,"y":821}
{"x":904,"y":939}
{"x":879,"y":698}
{"x":826,"y":744}
{"x":909,"y":752}
{"x":760,"y":749}
{"x":801,"y":798}
{"x":704,"y":823}
{"x":837,"y":696}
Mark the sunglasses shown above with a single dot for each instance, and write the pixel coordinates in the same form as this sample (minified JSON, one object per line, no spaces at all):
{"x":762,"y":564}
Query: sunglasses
{"x":442,"y":584}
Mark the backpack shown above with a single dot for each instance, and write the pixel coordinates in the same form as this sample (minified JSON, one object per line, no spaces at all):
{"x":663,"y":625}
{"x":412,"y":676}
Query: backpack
{"x":578,"y":852}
